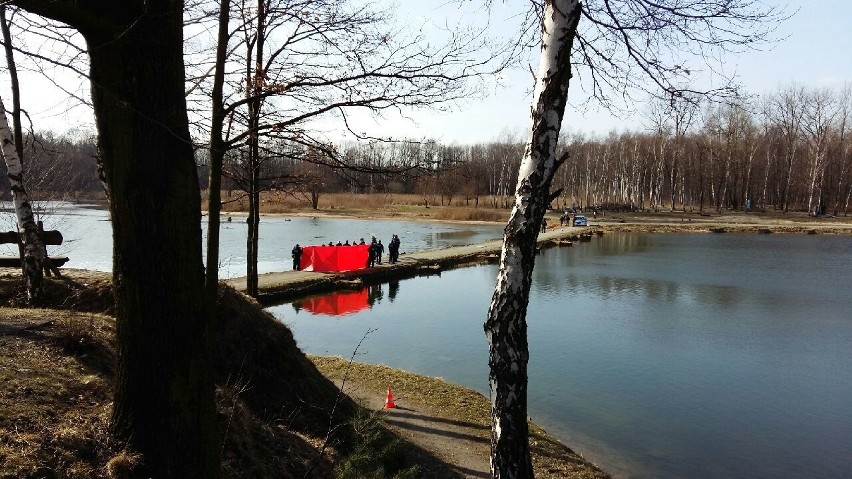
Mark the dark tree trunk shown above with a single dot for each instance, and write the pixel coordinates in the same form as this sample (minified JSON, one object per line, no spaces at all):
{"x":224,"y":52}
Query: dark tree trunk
{"x":217,"y":155}
{"x":255,"y":78}
{"x":252,"y":236}
{"x":315,"y":195}
{"x":164,"y":394}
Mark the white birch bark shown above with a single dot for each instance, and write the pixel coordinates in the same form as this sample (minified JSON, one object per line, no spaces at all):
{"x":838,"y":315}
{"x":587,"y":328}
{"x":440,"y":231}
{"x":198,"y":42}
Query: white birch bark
{"x":506,"y":325}
{"x":33,"y":246}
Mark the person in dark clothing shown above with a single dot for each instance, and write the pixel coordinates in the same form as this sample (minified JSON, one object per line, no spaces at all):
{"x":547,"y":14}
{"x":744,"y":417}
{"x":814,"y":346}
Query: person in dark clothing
{"x":297,"y":257}
{"x":393,"y":249}
{"x":371,"y":255}
{"x":380,"y":250}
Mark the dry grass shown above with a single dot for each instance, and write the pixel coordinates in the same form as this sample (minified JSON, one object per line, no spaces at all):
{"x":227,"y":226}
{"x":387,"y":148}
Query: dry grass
{"x":457,"y":213}
{"x":54,"y":407}
{"x":56,"y":369}
{"x":408,"y":206}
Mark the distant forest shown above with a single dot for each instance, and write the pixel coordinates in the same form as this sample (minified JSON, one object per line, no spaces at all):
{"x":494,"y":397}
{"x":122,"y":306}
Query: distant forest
{"x":790,"y":151}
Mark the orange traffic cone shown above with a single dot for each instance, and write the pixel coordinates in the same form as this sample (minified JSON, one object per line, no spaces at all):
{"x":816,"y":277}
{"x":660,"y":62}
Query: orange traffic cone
{"x":389,"y":404}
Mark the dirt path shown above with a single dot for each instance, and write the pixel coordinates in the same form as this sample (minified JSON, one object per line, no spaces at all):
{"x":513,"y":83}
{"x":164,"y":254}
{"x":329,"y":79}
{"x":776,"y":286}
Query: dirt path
{"x":459,"y":444}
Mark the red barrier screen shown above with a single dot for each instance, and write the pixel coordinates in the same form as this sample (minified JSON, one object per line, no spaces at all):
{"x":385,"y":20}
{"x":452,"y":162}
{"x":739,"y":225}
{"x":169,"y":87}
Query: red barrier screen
{"x":337,"y":304}
{"x":333,"y":258}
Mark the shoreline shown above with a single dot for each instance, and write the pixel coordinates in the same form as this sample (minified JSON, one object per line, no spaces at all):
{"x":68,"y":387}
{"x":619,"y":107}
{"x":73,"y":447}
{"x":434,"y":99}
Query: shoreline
{"x":279,"y":287}
{"x":661,"y":219}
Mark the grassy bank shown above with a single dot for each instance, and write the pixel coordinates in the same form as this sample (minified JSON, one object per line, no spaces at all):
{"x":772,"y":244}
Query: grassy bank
{"x":276,"y":409}
{"x":56,"y":365}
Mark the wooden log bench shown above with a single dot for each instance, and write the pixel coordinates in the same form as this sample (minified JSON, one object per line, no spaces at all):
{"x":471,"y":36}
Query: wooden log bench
{"x":50,"y":237}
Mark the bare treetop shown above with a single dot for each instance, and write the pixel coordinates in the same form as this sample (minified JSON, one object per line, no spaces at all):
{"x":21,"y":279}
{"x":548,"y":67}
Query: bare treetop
{"x":664,"y":47}
{"x":324,"y":58}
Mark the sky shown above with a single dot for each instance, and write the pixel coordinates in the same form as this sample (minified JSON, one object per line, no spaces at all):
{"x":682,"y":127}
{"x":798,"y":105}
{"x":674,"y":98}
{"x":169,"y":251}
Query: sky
{"x":814,"y":51}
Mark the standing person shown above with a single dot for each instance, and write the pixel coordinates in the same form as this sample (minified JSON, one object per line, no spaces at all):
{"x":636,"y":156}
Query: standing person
{"x":297,"y":257}
{"x":380,"y":250}
{"x":393,"y":249}
{"x":371,"y":255}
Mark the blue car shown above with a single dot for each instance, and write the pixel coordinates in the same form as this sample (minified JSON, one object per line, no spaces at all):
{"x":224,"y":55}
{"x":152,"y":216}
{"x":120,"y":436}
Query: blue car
{"x":580,"y":221}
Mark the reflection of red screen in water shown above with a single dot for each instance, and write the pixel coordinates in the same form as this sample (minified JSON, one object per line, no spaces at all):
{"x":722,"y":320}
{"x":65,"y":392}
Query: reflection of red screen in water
{"x":333,"y":258}
{"x":337,"y":304}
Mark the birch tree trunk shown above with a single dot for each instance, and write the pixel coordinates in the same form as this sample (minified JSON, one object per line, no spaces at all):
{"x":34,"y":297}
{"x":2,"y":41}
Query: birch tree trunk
{"x":506,"y":327}
{"x":33,"y":247}
{"x":33,"y":278}
{"x":13,"y":81}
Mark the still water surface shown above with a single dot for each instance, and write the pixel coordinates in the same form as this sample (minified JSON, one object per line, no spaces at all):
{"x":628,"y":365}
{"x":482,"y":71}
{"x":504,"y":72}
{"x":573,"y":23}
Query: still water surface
{"x":655,"y":355}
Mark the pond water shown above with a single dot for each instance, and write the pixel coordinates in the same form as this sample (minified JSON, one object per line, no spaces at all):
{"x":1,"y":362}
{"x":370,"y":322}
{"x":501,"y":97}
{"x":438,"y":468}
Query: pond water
{"x":88,"y":236}
{"x":654,"y":355}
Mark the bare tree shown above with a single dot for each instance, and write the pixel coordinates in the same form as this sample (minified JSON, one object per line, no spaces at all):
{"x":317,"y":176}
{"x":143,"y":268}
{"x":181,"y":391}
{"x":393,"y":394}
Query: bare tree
{"x":33,"y":256}
{"x":624,"y":36}
{"x":13,"y":154}
{"x":787,"y":111}
{"x":682,"y":112}
{"x":164,"y":397}
{"x":819,"y":115}
{"x":844,"y":151}
{"x":304,"y":60}
{"x":311,"y":176}
{"x":506,"y":325}
{"x":217,"y":151}
{"x":17,"y":132}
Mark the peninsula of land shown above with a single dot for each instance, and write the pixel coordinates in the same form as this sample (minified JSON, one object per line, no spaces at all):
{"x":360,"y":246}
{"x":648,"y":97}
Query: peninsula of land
{"x":286,"y":285}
